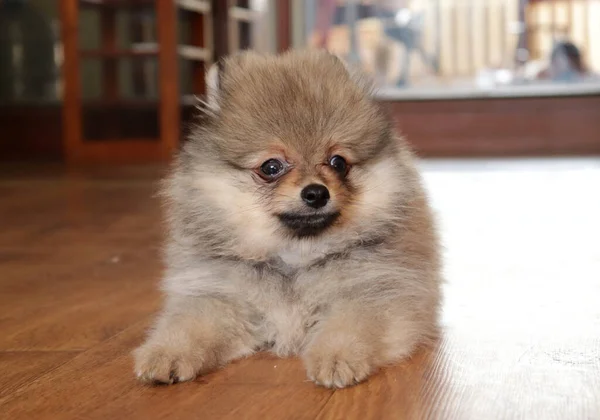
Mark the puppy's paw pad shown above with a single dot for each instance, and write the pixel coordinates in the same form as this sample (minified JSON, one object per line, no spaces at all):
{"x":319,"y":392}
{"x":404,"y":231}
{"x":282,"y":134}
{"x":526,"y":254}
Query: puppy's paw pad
{"x":157,"y":365}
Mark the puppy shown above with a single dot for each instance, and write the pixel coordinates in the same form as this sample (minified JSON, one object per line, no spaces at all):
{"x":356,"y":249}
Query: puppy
{"x":297,"y":223}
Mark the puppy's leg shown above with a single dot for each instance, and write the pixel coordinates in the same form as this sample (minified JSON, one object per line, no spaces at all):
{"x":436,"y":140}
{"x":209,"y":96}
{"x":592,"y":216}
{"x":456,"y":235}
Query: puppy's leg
{"x":354,"y":341}
{"x":194,"y":335}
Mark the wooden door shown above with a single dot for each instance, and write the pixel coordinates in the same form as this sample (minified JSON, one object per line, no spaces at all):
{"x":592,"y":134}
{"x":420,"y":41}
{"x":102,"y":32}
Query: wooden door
{"x":106,"y":119}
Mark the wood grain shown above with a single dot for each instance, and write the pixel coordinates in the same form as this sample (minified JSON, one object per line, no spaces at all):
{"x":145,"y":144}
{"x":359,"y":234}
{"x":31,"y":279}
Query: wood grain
{"x":104,"y":377}
{"x":520,"y":325}
{"x":66,"y":256}
{"x":20,"y":368}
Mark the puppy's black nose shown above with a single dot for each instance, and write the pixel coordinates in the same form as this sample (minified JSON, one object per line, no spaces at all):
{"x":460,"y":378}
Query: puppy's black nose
{"x":315,"y":195}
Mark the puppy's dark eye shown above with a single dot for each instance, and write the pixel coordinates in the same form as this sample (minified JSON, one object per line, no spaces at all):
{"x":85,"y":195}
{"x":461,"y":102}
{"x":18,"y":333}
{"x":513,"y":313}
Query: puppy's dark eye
{"x":338,"y":164}
{"x":271,"y":169}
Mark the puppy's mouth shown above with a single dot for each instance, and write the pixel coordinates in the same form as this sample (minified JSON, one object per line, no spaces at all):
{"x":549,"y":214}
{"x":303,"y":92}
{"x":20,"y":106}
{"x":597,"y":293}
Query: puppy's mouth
{"x":304,"y":225}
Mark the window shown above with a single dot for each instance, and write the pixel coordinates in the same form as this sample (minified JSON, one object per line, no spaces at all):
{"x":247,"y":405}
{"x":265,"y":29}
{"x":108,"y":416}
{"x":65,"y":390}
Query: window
{"x":424,"y":48}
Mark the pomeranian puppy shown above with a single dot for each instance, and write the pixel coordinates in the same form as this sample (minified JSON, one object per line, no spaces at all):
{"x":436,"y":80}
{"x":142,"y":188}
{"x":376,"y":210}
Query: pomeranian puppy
{"x":297,"y":223}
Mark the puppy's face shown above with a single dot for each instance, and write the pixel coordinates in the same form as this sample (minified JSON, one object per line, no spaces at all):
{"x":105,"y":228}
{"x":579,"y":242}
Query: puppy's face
{"x":295,"y":150}
{"x":306,"y":192}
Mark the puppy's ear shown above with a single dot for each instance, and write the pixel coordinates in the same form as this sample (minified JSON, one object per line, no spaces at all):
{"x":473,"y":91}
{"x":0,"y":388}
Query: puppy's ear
{"x":214,"y":86}
{"x":215,"y":77}
{"x":355,"y":73}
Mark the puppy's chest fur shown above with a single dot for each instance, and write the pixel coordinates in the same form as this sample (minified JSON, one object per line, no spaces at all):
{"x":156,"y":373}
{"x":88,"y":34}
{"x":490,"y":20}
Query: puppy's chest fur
{"x":292,"y":261}
{"x":293,"y":310}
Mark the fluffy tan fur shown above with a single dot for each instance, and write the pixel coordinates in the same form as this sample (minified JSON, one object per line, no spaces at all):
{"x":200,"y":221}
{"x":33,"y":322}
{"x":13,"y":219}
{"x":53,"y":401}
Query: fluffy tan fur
{"x":363,"y":293}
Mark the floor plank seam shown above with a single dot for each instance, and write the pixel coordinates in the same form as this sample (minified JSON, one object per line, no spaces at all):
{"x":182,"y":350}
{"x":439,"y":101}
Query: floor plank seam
{"x":325,"y":404}
{"x":24,"y":387}
{"x":17,"y":391}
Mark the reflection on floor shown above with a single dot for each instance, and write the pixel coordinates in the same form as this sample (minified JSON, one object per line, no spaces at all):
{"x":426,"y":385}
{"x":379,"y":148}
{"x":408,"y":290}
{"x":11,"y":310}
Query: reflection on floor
{"x":79,"y":266}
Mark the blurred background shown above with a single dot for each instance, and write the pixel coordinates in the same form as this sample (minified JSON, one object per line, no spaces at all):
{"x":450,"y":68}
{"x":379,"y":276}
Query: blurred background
{"x":114,"y":80}
{"x":501,"y":98}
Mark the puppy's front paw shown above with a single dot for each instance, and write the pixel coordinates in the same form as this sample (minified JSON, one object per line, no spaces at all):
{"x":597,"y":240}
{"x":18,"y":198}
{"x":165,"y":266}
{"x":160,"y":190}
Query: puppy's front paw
{"x":158,"y":364}
{"x":337,"y":367}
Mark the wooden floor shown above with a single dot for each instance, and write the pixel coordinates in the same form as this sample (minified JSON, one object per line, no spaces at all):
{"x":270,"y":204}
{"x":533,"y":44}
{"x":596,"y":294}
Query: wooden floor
{"x":79,"y":266}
